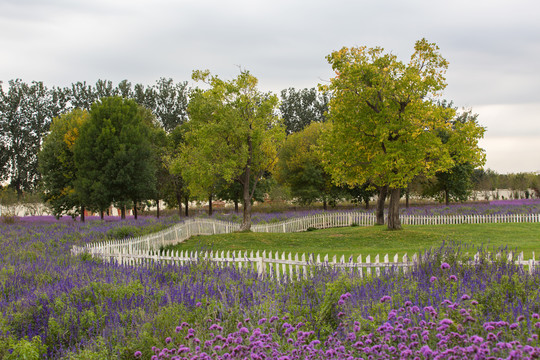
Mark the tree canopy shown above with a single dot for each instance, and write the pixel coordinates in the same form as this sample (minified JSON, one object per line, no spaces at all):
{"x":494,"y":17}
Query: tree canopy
{"x":300,"y":167}
{"x":299,"y":108}
{"x":113,"y":154}
{"x":385,"y":120}
{"x":26,"y":111}
{"x":233,"y":134}
{"x":57,"y":163}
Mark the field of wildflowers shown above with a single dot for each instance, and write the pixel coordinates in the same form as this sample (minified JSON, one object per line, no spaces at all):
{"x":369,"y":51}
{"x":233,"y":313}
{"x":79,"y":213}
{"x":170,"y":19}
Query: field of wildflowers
{"x":501,"y":207}
{"x":55,"y":306}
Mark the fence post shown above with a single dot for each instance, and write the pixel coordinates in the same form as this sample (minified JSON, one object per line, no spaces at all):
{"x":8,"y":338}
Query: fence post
{"x":261,"y":267}
{"x":360,"y":269}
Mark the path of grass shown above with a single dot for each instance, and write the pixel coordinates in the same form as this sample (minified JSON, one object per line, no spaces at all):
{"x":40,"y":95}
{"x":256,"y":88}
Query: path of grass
{"x":375,"y":240}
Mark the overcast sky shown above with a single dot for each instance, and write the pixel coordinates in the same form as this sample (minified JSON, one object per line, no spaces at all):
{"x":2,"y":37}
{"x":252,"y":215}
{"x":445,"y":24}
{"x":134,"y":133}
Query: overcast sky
{"x":493,"y":48}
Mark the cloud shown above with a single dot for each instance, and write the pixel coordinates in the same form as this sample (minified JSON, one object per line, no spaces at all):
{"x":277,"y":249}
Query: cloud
{"x":492,"y":45}
{"x":512,"y":154}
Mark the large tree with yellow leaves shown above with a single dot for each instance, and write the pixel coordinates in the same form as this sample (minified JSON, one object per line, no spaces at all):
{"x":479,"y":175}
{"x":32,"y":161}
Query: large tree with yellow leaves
{"x":57,"y":164}
{"x":385,"y":121}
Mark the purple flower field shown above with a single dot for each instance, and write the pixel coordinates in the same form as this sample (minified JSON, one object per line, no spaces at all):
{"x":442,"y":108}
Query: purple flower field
{"x":501,"y":207}
{"x":55,"y":306}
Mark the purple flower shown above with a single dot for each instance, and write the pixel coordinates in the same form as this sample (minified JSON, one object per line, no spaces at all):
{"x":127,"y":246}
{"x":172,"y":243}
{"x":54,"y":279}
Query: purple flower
{"x":432,"y":279}
{"x":445,"y":266}
{"x":446,"y":322}
{"x":137,"y":354}
{"x":453,"y":277}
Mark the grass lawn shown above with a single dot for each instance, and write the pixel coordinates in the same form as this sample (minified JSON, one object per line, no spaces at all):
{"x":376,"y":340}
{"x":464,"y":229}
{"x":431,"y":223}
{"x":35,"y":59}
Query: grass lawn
{"x":376,"y":239}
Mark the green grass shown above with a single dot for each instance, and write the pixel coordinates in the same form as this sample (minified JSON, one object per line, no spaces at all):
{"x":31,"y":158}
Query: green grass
{"x":375,"y":240}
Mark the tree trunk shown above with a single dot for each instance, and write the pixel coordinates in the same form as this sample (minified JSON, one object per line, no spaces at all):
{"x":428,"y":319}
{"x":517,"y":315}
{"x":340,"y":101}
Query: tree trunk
{"x":379,"y":212}
{"x":246,"y":221}
{"x":157,"y":206}
{"x":186,"y":205}
{"x":407,"y":197}
{"x":123,"y":212}
{"x":446,"y":197}
{"x":246,"y":202}
{"x":366,"y":201}
{"x":135,"y":209}
{"x":210,"y":205}
{"x":236,"y":206}
{"x":179,"y":201}
{"x":324,"y":205}
{"x":101,"y":214}
{"x":394,"y":223}
{"x":83,"y":209}
{"x":246,"y":196}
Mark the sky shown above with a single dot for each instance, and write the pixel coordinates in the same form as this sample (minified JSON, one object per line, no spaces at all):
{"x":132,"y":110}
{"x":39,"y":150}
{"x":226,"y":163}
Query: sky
{"x":493,"y":49}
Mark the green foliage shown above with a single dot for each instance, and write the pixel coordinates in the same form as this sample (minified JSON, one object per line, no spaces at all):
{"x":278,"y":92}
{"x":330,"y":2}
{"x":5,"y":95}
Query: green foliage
{"x":114,"y":156}
{"x":299,"y":108}
{"x":301,"y":168}
{"x":327,"y":317}
{"x":57,"y":163}
{"x":26,"y":349}
{"x":233,"y":135}
{"x":385,"y":125}
{"x":26,"y":111}
{"x":452,"y":185}
{"x":99,"y":349}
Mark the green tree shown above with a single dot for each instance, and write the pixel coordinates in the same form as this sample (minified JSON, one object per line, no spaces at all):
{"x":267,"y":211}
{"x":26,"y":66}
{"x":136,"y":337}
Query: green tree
{"x":114,"y":157}
{"x":174,"y":187}
{"x":170,"y":103}
{"x":82,"y":95}
{"x":234,"y":134}
{"x":451,"y":185}
{"x":26,"y":111}
{"x":300,"y":167}
{"x":57,"y":163}
{"x":362,"y":194}
{"x":385,"y":123}
{"x":454,"y":184}
{"x":299,"y":108}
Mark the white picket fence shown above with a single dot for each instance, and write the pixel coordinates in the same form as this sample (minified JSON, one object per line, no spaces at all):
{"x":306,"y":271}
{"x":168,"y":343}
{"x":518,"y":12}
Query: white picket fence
{"x":143,"y":249}
{"x":287,"y":266}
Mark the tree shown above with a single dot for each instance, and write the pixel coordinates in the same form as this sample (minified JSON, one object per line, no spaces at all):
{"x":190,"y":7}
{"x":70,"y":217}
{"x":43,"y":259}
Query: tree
{"x":170,"y":103}
{"x":451,"y":185}
{"x":114,"y":156}
{"x":455,"y":183}
{"x":174,"y":188}
{"x":362,"y":194}
{"x":26,"y":111}
{"x":300,"y":167}
{"x":300,"y":108}
{"x":234,"y":134}
{"x":57,"y":163}
{"x":384,"y":120}
{"x":82,"y":96}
